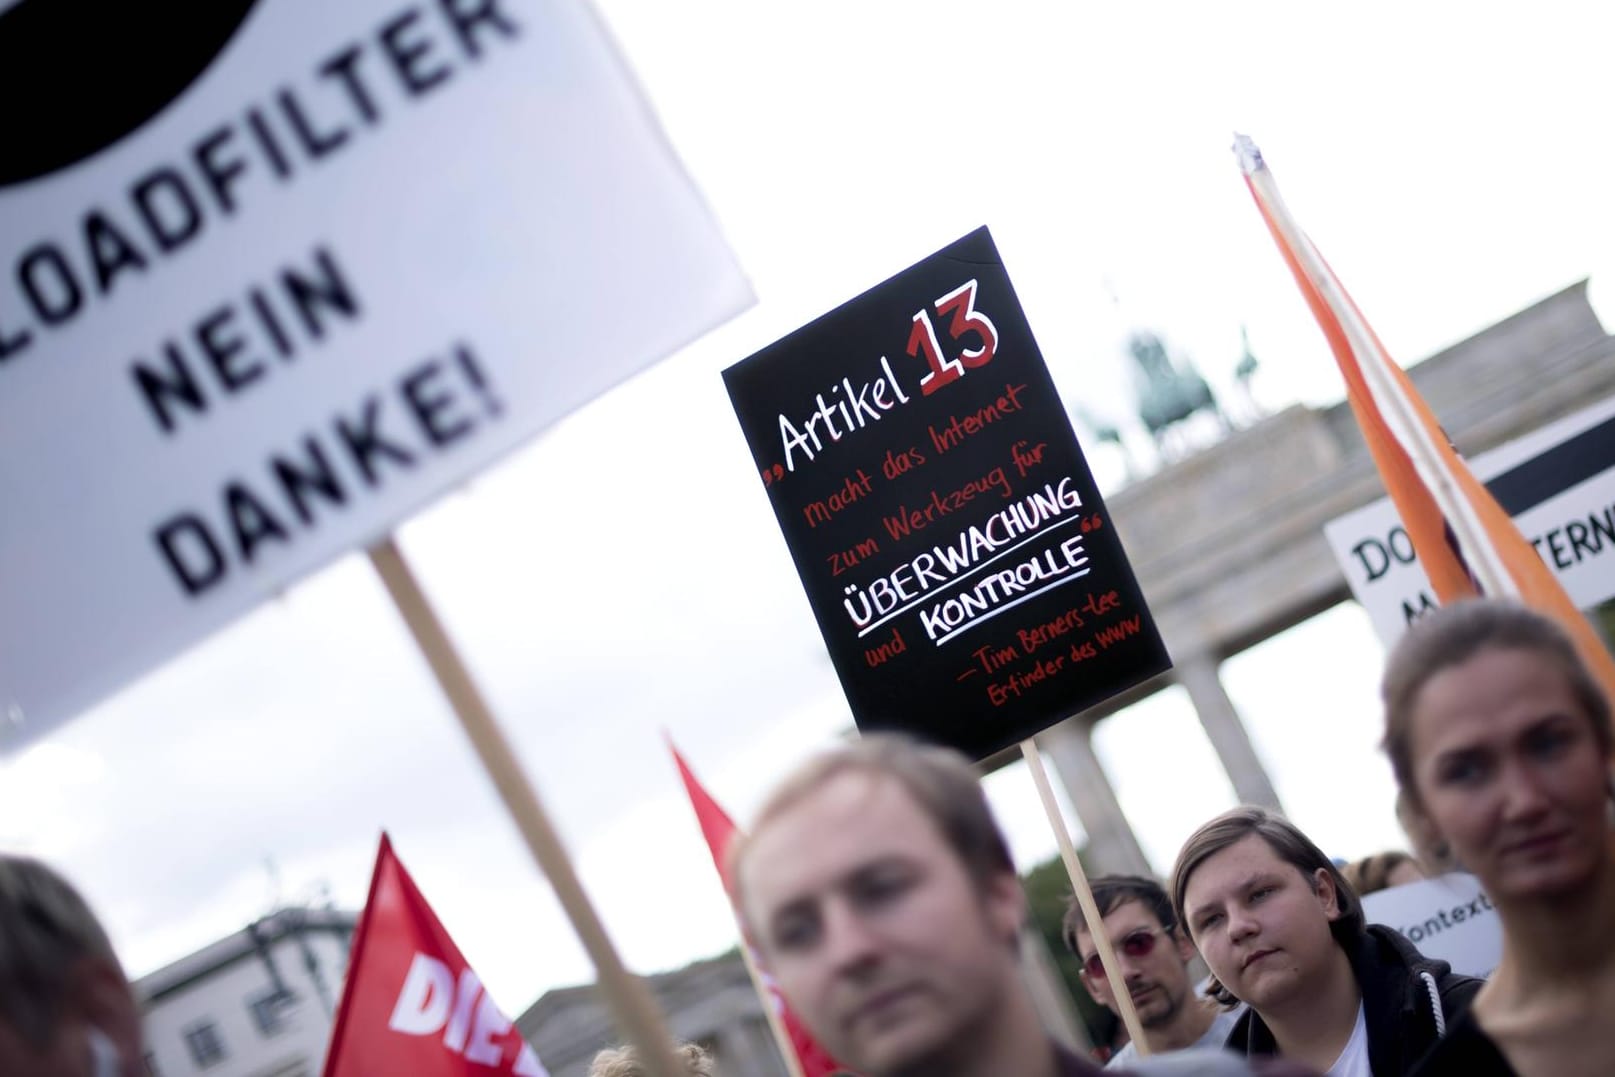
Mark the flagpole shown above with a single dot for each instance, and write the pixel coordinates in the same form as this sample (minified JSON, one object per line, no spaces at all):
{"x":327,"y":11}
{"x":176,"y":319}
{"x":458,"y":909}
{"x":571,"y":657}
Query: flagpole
{"x":1123,"y":998}
{"x":356,"y":952}
{"x":630,"y":1000}
{"x":1494,"y":578}
{"x":782,"y":1039}
{"x":707,"y":812}
{"x":1441,"y":502}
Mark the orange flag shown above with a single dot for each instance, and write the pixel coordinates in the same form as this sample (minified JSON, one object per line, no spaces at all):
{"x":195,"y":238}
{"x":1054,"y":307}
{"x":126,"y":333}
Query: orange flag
{"x":1466,"y":542}
{"x":411,"y":1004}
{"x":811,"y":1059}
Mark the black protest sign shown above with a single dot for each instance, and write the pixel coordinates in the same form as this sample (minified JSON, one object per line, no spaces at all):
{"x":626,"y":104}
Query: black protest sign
{"x":957,"y":555}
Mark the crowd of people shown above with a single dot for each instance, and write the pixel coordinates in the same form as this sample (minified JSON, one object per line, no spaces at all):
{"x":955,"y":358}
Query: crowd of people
{"x":879,"y":892}
{"x":1501,"y":744}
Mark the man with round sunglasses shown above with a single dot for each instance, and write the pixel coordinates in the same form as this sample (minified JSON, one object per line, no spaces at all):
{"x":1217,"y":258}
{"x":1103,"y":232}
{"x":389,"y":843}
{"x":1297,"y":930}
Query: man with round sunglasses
{"x":1154,"y":957}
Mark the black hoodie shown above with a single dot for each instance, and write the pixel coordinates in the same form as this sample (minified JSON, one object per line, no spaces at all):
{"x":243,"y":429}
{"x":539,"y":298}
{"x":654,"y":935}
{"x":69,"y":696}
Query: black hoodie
{"x":1409,"y":1001}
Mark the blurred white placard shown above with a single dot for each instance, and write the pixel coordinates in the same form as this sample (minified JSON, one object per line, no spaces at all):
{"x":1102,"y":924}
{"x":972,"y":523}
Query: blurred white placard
{"x":1449,"y":917}
{"x":375,"y":246}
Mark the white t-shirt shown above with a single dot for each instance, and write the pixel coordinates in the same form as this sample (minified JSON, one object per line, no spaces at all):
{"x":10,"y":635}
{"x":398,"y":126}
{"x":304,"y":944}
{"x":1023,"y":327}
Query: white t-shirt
{"x":1353,"y":1060}
{"x":1214,"y":1036}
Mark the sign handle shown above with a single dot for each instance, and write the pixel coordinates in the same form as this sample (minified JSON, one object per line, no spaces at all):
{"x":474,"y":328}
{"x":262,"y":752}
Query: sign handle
{"x":630,"y":1000}
{"x":1079,"y":886}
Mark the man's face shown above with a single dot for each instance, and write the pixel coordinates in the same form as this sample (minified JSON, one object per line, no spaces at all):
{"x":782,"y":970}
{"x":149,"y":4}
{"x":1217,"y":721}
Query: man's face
{"x":874,"y":929}
{"x":1261,"y":925}
{"x":1153,"y":963}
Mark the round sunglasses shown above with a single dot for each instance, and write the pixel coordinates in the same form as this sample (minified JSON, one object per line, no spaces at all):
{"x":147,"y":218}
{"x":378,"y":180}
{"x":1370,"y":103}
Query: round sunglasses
{"x":1140,"y":943}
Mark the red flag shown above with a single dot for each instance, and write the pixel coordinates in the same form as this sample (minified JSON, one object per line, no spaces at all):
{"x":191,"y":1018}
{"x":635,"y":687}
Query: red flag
{"x":716,"y":826}
{"x":410,"y":1003}
{"x":812,"y":1060}
{"x":1466,"y":542}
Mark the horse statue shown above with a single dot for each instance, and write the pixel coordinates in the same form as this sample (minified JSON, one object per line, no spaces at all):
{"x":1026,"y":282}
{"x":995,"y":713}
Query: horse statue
{"x":1167,"y":395}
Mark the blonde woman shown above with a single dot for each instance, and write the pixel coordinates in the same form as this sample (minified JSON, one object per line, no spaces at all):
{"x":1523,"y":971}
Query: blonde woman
{"x":1501,"y":741}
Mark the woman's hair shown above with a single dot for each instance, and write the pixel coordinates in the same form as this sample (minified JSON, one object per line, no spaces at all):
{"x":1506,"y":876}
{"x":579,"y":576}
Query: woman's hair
{"x":1451,"y":636}
{"x":1432,"y":854}
{"x":624,"y":1062}
{"x":1372,"y":874}
{"x":1288,"y":843}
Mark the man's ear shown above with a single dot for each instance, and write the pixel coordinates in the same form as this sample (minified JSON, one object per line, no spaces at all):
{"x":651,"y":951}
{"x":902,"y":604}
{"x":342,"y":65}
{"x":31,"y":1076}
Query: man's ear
{"x":1005,"y":903}
{"x":1185,"y":948}
{"x":1323,"y":885}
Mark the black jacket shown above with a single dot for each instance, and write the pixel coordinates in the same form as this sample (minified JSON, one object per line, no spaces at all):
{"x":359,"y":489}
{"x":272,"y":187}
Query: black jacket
{"x":1409,"y":1000}
{"x":1467,"y":1051}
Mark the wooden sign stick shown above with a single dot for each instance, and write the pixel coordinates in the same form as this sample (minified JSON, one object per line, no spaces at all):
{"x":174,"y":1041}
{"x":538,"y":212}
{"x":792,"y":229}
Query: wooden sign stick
{"x":630,"y":1001}
{"x":1090,"y":911}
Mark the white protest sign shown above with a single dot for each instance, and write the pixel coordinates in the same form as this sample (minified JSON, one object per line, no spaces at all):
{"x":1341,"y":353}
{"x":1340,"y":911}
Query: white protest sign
{"x":1449,"y":917}
{"x":374,"y":246}
{"x":1558,"y":483}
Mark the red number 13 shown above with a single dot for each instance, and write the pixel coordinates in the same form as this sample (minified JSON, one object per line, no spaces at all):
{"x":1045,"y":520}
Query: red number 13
{"x":961,"y":303}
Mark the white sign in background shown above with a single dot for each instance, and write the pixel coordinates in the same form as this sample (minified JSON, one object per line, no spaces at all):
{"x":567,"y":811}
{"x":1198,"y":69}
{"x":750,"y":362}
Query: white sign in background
{"x":370,"y":250}
{"x":1573,"y":527}
{"x":1448,"y":917}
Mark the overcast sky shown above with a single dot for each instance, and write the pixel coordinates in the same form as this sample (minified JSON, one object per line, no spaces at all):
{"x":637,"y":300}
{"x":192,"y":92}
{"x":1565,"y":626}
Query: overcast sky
{"x":1453,"y":162}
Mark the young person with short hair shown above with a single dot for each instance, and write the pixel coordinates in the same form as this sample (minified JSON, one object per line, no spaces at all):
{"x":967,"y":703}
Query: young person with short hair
{"x":1283,"y":933}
